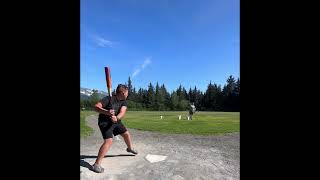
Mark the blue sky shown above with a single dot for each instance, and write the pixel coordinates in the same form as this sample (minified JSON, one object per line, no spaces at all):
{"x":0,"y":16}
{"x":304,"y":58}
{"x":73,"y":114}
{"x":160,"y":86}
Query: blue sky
{"x":187,"y":42}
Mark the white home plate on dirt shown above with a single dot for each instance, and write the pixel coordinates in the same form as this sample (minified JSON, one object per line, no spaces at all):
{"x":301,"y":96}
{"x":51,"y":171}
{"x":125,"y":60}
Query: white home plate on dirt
{"x":155,"y":158}
{"x":116,"y":138}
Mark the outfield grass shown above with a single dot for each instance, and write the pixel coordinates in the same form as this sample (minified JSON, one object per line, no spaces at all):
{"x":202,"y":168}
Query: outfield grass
{"x":84,"y":129}
{"x":203,"y":123}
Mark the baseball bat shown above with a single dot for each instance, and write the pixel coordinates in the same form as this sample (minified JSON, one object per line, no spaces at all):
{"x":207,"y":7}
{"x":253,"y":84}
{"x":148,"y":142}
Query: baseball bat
{"x":108,"y":78}
{"x":109,"y":87}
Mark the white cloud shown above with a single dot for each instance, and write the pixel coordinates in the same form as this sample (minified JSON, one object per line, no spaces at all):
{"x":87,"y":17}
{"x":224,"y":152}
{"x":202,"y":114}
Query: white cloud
{"x":136,"y":72}
{"x":146,"y":62}
{"x":144,"y":65}
{"x":100,"y":41}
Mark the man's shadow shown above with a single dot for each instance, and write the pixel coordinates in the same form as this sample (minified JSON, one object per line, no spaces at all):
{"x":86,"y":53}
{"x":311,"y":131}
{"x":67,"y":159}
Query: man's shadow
{"x":85,"y":164}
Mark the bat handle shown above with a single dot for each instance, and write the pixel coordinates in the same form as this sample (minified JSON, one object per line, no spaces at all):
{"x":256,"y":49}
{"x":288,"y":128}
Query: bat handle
{"x":110,"y":106}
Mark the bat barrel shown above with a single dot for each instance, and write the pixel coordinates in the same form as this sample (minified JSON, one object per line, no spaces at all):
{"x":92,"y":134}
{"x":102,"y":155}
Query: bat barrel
{"x":108,"y":79}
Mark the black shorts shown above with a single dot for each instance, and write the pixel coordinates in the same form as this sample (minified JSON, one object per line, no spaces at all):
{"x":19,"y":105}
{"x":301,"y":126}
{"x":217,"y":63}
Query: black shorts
{"x":109,"y":129}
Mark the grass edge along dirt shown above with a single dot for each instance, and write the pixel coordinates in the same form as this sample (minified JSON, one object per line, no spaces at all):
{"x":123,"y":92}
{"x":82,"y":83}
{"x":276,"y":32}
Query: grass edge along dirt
{"x":85,"y":130}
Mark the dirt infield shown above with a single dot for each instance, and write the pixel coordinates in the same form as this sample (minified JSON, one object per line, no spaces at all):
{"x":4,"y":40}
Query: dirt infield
{"x":188,"y":156}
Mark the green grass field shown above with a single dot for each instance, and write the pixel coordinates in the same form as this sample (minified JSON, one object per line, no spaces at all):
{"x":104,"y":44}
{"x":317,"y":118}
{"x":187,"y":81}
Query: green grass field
{"x":84,"y":129}
{"x":203,"y":123}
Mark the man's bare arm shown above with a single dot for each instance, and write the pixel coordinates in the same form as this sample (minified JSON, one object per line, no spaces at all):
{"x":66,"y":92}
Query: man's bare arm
{"x":99,"y":108}
{"x":122,"y":113}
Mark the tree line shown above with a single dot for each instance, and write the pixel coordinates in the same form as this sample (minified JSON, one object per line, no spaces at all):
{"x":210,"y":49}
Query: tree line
{"x":157,"y":98}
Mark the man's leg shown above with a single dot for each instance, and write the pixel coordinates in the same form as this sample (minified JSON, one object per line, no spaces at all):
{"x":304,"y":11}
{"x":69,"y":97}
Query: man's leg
{"x":103,"y":150}
{"x":127,"y":138}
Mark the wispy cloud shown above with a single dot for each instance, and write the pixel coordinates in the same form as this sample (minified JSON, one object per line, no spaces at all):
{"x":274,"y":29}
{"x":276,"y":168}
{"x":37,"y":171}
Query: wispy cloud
{"x":100,"y":41}
{"x":137,"y":71}
{"x":146,"y":62}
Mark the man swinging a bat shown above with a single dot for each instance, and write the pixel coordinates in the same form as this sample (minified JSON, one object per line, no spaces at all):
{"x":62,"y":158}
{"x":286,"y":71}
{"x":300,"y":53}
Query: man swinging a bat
{"x":111,"y":110}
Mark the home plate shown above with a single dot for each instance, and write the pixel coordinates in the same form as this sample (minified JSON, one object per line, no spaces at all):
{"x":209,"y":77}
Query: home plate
{"x":155,"y":158}
{"x":116,"y":138}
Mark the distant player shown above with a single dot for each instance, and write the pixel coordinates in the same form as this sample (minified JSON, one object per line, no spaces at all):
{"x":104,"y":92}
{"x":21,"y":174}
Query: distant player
{"x":192,"y":110}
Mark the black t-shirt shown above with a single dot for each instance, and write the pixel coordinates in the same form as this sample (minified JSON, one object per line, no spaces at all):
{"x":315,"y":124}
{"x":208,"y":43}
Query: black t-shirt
{"x":116,"y":105}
